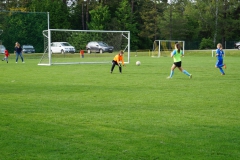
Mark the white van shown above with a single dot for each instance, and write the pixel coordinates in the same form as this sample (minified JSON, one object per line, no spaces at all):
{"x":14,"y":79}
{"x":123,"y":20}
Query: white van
{"x":62,"y":47}
{"x":2,"y":49}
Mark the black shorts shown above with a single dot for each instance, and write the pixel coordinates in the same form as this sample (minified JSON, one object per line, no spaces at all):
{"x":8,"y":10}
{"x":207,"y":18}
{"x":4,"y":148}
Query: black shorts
{"x":178,"y":64}
{"x":114,"y":62}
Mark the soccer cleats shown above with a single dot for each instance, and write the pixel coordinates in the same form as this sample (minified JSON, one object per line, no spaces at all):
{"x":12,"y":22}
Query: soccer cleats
{"x":225,"y":66}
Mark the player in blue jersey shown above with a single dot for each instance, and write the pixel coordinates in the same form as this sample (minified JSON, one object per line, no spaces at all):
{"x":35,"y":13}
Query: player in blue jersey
{"x":177,"y":62}
{"x":219,"y":55}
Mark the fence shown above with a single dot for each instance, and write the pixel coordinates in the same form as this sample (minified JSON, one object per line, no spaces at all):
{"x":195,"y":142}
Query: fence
{"x":194,"y":45}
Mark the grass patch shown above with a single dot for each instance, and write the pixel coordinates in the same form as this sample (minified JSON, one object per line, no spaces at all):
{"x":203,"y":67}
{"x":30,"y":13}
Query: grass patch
{"x":84,"y":112}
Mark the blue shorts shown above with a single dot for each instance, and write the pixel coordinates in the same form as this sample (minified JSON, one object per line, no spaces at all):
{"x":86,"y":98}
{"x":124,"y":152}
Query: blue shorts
{"x":219,"y":62}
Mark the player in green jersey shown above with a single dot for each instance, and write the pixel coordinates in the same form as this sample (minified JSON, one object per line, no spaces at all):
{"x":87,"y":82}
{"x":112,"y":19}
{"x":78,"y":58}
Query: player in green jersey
{"x":177,"y":62}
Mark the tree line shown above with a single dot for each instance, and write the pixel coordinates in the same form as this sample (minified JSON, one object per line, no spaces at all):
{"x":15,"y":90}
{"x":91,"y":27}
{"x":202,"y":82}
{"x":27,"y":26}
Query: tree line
{"x":201,"y":24}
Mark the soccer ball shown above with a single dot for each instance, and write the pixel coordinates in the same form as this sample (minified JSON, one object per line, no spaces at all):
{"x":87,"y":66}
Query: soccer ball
{"x":138,"y":63}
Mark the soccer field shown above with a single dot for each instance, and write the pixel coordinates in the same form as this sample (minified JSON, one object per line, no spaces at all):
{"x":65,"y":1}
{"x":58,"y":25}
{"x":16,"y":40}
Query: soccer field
{"x":84,"y":112}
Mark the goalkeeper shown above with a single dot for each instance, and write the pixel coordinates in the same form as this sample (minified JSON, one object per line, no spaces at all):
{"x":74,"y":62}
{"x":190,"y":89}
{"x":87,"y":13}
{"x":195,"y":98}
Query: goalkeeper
{"x":116,"y":61}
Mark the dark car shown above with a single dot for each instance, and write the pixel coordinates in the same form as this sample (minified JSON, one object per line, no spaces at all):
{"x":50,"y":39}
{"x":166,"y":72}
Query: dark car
{"x":237,"y":45}
{"x":28,"y":49}
{"x":99,"y":47}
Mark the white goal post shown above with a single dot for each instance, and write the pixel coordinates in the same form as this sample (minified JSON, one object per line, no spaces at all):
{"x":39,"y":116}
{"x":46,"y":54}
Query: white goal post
{"x":164,"y":47}
{"x":119,"y":40}
{"x":213,"y":53}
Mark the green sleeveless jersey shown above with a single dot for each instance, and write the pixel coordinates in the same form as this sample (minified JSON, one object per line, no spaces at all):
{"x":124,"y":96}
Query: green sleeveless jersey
{"x":177,"y":55}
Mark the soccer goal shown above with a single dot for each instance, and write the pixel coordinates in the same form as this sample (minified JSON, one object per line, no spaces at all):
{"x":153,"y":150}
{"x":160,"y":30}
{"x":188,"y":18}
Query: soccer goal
{"x":119,"y":40}
{"x":165,"y":47}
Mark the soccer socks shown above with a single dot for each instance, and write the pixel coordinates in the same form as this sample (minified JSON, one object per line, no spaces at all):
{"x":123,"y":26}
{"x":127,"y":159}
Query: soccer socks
{"x":221,"y":70}
{"x":120,"y":69}
{"x":185,"y":72}
{"x":171,"y":74}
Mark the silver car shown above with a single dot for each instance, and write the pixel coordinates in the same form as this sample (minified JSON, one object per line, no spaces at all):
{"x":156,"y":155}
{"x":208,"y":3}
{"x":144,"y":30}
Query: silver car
{"x":62,"y":47}
{"x":2,"y":49}
{"x":99,"y":47}
{"x":28,"y":49}
{"x":237,"y":45}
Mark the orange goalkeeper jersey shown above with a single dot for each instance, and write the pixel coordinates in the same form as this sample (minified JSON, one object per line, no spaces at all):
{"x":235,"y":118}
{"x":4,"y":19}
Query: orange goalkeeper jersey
{"x":118,"y":58}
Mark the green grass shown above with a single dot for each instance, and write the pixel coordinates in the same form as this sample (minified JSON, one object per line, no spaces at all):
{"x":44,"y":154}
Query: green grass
{"x":84,"y":112}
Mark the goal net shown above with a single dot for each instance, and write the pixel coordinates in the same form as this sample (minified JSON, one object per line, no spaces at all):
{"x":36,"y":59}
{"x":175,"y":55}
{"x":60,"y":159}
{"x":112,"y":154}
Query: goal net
{"x":78,"y":39}
{"x":165,"y":47}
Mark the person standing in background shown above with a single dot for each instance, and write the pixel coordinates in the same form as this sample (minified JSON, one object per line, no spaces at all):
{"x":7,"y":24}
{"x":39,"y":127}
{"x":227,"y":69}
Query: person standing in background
{"x":18,"y":51}
{"x":82,"y":53}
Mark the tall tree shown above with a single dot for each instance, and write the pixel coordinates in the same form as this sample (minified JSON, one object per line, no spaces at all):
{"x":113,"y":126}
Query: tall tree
{"x":100,"y":17}
{"x":192,"y":26}
{"x":217,"y":19}
{"x":173,"y":23}
{"x":26,"y":28}
{"x":59,"y":14}
{"x":126,"y":21}
{"x":150,"y":17}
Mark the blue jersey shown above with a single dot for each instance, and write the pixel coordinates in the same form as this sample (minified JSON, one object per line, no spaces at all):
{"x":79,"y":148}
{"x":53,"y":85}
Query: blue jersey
{"x":18,"y":49}
{"x":220,"y":54}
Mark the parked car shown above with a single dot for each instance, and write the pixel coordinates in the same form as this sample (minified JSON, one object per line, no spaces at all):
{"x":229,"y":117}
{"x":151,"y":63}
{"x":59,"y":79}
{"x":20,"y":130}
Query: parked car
{"x":99,"y":47}
{"x":62,"y":47}
{"x":2,"y":49}
{"x":28,"y":49}
{"x":237,"y":45}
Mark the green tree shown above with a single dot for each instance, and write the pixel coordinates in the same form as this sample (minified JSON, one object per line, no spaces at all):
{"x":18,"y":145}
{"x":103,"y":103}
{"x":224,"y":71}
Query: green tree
{"x":224,"y":20}
{"x":26,"y":28}
{"x":206,"y":43}
{"x":126,"y":22}
{"x":216,"y":19}
{"x":100,"y":17}
{"x":193,"y":28}
{"x":58,"y":12}
{"x":149,"y":15}
{"x":173,"y":23}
